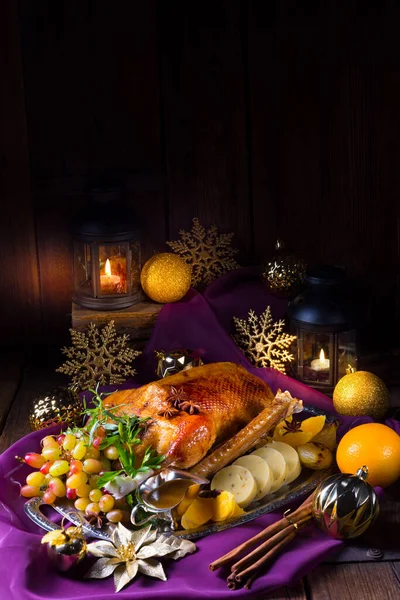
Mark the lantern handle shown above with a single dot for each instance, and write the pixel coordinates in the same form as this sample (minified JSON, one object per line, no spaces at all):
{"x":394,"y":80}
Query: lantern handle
{"x":362,"y":473}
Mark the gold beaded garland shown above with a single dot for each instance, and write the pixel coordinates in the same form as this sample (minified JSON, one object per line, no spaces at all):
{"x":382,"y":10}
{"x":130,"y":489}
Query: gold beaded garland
{"x":165,"y":277}
{"x":361,"y":394}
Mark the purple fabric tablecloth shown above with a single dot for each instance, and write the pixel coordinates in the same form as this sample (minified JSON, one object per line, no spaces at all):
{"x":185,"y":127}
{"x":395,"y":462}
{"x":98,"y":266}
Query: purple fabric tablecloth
{"x":202,"y":323}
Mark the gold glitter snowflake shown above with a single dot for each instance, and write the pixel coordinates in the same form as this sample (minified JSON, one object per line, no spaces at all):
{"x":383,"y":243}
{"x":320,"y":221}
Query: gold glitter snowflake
{"x":98,"y":357}
{"x":263,"y":340}
{"x":209,"y":253}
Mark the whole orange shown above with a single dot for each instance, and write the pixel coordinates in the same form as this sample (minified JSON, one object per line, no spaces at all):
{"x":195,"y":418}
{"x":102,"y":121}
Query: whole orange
{"x":374,"y":445}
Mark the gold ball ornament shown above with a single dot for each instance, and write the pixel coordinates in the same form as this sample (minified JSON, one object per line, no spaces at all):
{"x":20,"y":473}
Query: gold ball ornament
{"x":361,"y":394}
{"x":60,"y":405}
{"x":166,"y":277}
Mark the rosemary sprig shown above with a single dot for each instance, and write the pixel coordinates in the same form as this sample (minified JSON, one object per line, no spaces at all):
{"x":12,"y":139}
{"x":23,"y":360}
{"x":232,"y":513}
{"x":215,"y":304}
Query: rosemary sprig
{"x":123,"y":432}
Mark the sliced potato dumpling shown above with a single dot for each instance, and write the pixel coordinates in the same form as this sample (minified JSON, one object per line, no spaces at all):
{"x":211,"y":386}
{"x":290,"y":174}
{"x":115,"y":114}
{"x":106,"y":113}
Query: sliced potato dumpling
{"x":237,"y":480}
{"x":276,"y":463}
{"x":261,"y":472}
{"x":291,"y":457}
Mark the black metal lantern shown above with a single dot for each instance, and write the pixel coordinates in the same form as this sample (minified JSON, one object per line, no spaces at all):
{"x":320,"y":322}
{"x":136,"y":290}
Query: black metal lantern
{"x":324,"y":319}
{"x":106,"y":253}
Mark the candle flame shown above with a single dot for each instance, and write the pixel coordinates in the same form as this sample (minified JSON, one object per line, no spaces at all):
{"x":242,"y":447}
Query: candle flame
{"x":322,"y":356}
{"x":107,"y":268}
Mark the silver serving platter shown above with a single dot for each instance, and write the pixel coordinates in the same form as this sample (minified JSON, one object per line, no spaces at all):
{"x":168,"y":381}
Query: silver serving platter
{"x":304,"y":484}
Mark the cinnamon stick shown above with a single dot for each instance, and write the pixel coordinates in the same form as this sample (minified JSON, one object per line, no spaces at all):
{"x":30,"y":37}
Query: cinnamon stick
{"x":263,"y":535}
{"x":270,"y":543}
{"x":254,"y":569}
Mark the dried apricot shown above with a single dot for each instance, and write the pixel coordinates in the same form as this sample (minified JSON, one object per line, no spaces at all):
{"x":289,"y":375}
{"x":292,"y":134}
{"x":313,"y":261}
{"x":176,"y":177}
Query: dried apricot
{"x":224,"y":506}
{"x":296,"y":433}
{"x":189,"y":497}
{"x":199,"y":512}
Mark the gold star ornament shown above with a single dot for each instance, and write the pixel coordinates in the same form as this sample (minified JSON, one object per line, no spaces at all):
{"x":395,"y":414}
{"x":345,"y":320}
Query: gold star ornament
{"x":263,"y":340}
{"x":208,"y":252}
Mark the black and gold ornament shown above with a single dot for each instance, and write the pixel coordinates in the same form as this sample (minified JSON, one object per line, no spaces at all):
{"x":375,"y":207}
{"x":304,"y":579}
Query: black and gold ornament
{"x":176,"y":361}
{"x":344,"y":505}
{"x":57,"y":406}
{"x":66,"y":547}
{"x":284,"y":274}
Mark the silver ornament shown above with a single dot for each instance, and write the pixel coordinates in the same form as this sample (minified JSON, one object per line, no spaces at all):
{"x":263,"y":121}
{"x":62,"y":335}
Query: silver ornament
{"x":345,"y":505}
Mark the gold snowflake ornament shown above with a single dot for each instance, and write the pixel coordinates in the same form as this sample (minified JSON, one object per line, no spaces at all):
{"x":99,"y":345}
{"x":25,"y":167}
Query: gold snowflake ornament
{"x":263,"y":340}
{"x":98,"y":356}
{"x":209,"y":253}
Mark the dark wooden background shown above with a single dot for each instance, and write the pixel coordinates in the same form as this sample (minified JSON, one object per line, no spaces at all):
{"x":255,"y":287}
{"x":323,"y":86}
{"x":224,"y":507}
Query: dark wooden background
{"x":270,"y":117}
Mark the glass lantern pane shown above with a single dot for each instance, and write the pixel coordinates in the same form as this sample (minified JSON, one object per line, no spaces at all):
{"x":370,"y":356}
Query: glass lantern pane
{"x":316,"y":357}
{"x":347,"y":351}
{"x":82,"y":268}
{"x":135,"y":267}
{"x":113,"y":269}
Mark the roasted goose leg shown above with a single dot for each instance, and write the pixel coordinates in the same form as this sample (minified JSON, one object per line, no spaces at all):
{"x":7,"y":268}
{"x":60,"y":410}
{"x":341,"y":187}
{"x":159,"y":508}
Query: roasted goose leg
{"x":195,"y":409}
{"x":282,"y":406}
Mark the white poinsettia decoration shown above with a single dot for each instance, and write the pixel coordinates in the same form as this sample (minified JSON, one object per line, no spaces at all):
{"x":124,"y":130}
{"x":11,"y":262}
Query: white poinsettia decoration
{"x":133,"y":552}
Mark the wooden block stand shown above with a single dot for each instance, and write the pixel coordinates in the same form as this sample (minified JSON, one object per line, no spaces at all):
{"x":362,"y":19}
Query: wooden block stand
{"x":137,"y":320}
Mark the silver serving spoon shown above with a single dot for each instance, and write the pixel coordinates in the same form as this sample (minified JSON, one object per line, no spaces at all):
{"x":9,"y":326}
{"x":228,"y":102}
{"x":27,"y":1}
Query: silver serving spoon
{"x":159,"y":494}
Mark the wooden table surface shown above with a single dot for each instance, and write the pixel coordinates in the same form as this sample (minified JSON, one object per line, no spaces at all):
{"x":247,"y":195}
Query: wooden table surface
{"x":361,"y":580}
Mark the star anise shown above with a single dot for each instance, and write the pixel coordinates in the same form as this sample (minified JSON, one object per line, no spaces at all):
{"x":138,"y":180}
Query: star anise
{"x":97,"y":520}
{"x":292,"y":427}
{"x":176,"y":397}
{"x":168,"y":412}
{"x":208,"y":494}
{"x":190,"y":407}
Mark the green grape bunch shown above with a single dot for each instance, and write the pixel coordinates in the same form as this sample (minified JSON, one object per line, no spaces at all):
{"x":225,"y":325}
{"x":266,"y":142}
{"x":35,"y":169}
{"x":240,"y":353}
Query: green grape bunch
{"x":79,"y":463}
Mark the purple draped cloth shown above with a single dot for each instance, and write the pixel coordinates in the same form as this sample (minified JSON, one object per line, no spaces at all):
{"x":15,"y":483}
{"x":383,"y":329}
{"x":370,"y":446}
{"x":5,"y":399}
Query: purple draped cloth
{"x":202,"y":323}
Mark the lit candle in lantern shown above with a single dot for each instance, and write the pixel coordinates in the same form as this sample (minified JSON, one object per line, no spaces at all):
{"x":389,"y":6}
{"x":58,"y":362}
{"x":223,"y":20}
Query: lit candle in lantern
{"x":321,"y":363}
{"x":109,"y":282}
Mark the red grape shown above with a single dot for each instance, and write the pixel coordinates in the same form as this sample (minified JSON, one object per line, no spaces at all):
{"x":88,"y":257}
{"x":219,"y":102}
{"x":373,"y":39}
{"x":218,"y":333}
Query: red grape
{"x":29,"y":491}
{"x":35,"y":460}
{"x":71,"y":494}
{"x":46,"y":467}
{"x":49,"y":497}
{"x":75,"y":466}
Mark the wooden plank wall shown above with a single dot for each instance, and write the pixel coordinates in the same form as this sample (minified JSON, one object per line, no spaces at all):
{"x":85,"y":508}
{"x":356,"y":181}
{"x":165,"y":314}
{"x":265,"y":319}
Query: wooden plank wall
{"x":265,"y":118}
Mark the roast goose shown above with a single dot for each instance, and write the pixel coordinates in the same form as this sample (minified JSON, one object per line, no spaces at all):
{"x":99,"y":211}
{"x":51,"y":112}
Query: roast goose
{"x":219,"y":405}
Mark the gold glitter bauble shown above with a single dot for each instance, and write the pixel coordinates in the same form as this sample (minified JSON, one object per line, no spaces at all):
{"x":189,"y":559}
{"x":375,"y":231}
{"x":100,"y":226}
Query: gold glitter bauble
{"x":361,"y":394}
{"x":165,"y":277}
{"x":60,"y":405}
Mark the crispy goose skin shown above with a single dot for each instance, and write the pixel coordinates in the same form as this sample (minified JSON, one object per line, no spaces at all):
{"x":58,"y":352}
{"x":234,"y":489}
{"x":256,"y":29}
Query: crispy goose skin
{"x":224,"y":395}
